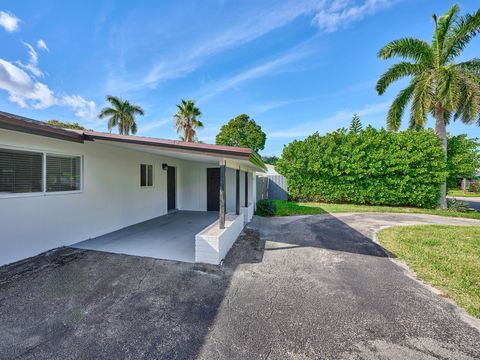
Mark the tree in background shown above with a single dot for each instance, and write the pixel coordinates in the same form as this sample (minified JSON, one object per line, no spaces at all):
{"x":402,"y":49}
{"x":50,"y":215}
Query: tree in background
{"x":121,"y":113}
{"x":439,"y":85}
{"x":242,"y":131}
{"x":270,"y":160}
{"x":66,"y":125}
{"x":355,"y":124}
{"x":186,"y":120}
{"x":463,"y":159}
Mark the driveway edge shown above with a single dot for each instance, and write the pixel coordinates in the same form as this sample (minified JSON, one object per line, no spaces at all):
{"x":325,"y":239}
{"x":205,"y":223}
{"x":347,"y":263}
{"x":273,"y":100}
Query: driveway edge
{"x":467,"y":318}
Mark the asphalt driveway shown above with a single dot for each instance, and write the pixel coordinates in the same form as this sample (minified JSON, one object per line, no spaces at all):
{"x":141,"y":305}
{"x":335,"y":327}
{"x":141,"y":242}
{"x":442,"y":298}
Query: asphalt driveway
{"x":291,"y":288}
{"x":474,"y":203}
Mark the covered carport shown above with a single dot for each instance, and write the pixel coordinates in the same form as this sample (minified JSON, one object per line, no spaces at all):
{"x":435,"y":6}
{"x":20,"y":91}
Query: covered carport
{"x":210,"y":196}
{"x":170,"y":237}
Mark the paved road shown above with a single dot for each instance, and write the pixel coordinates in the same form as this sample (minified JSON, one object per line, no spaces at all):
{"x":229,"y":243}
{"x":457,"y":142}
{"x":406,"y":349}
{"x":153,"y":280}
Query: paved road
{"x":473,"y":202}
{"x":292,"y":288}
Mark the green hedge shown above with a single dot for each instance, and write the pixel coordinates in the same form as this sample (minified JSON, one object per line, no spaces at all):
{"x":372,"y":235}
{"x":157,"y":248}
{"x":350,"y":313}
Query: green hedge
{"x":375,"y":167}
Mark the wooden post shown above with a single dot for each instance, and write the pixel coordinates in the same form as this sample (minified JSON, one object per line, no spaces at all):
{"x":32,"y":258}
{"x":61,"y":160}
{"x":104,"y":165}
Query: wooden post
{"x":246,"y":188}
{"x":237,"y":194}
{"x":222,"y":197}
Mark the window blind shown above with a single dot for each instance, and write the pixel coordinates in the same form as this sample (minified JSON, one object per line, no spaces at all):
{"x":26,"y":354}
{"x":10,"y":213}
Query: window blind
{"x":20,"y":171}
{"x":63,"y":173}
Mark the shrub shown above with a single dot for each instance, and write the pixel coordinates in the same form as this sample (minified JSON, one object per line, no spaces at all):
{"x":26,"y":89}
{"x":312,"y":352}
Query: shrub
{"x":375,"y":167}
{"x":266,"y":207}
{"x":463,"y":158}
{"x":474,"y":186}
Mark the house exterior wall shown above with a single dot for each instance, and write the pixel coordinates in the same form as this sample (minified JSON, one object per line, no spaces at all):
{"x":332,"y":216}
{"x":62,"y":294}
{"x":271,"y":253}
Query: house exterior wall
{"x":111,"y":197}
{"x":230,"y":189}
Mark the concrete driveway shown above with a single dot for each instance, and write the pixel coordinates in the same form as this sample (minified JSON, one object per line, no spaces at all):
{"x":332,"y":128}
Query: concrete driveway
{"x":291,"y":288}
{"x":169,"y":237}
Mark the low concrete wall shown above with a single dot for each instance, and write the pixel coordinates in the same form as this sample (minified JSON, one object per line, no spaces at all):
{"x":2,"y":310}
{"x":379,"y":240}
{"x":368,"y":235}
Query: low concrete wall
{"x":247,"y":212}
{"x":212,"y":244}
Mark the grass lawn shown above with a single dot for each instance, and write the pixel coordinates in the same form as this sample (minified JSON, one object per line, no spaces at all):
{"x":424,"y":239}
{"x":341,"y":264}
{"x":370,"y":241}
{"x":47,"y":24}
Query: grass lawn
{"x":446,"y":257}
{"x":460,"y":193}
{"x":287,"y":208}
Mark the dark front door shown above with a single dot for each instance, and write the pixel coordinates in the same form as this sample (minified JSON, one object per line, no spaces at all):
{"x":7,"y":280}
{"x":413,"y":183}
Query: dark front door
{"x":171,"y":188}
{"x":213,"y":189}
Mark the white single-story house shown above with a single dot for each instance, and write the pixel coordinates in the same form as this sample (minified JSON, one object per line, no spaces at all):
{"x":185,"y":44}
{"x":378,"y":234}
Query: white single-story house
{"x":127,"y":194}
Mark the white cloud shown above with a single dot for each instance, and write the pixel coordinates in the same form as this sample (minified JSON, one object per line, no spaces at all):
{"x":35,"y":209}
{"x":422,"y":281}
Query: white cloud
{"x":143,"y":129}
{"x":25,"y":91}
{"x":265,"y":69}
{"x":249,"y":28}
{"x":340,"y":118}
{"x":83,"y":108}
{"x":248,"y":25}
{"x":340,"y":13}
{"x":275,"y":104}
{"x":42,"y":45}
{"x":31,"y":66}
{"x":9,"y":21}
{"x":22,"y":89}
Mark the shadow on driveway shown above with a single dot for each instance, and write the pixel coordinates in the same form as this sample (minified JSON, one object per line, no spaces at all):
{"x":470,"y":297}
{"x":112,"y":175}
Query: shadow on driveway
{"x":83,"y":304}
{"x":317,"y":288}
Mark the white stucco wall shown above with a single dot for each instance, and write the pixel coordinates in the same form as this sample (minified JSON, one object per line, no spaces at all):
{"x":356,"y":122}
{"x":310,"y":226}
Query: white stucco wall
{"x":111,"y":198}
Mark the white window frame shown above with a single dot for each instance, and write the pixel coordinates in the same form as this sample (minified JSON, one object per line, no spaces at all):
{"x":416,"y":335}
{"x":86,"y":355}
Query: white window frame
{"x":44,"y":191}
{"x":153,"y":176}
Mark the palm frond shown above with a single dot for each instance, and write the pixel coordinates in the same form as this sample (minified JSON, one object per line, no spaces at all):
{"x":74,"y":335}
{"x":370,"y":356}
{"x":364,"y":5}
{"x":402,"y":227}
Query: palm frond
{"x":421,"y":101}
{"x":115,"y":101}
{"x":121,"y":114}
{"x":113,"y":121}
{"x":442,"y":27}
{"x":396,"y":72}
{"x":407,"y":48}
{"x":464,"y":29}
{"x":395,"y":113}
{"x":133,"y":128}
{"x":472,"y":66}
{"x":186,"y":119}
{"x":107,"y":111}
{"x":468,"y":97}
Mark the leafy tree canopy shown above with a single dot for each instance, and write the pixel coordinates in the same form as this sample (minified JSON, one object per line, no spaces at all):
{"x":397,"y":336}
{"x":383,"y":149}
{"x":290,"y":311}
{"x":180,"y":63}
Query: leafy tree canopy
{"x":67,"y":125}
{"x":242,"y":131}
{"x":270,"y":160}
{"x":463,"y":158}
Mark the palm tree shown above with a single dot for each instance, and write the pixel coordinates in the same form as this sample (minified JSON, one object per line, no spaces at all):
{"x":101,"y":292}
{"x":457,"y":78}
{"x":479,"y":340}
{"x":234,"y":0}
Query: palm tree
{"x":439,"y":85}
{"x":186,"y":120}
{"x":122,"y":114}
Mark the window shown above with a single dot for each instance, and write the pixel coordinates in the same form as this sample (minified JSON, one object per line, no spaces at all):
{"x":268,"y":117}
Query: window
{"x":20,"y":171}
{"x":38,"y":172}
{"x":146,"y":175}
{"x":63,"y":173}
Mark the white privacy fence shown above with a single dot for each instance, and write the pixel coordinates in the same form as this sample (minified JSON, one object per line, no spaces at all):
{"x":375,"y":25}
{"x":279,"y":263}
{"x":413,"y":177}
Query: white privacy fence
{"x":273,"y":187}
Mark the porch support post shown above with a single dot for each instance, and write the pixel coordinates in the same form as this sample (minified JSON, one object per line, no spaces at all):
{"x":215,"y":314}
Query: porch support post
{"x":246,"y":188}
{"x":237,"y":194}
{"x":222,"y":197}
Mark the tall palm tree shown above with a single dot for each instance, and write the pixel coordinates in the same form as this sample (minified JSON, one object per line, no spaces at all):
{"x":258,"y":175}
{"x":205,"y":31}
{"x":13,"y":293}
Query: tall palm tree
{"x":186,"y":120}
{"x":439,"y":85}
{"x":122,"y":114}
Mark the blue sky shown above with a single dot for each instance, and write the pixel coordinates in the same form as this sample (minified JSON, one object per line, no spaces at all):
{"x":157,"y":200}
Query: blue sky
{"x":294,"y":66}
